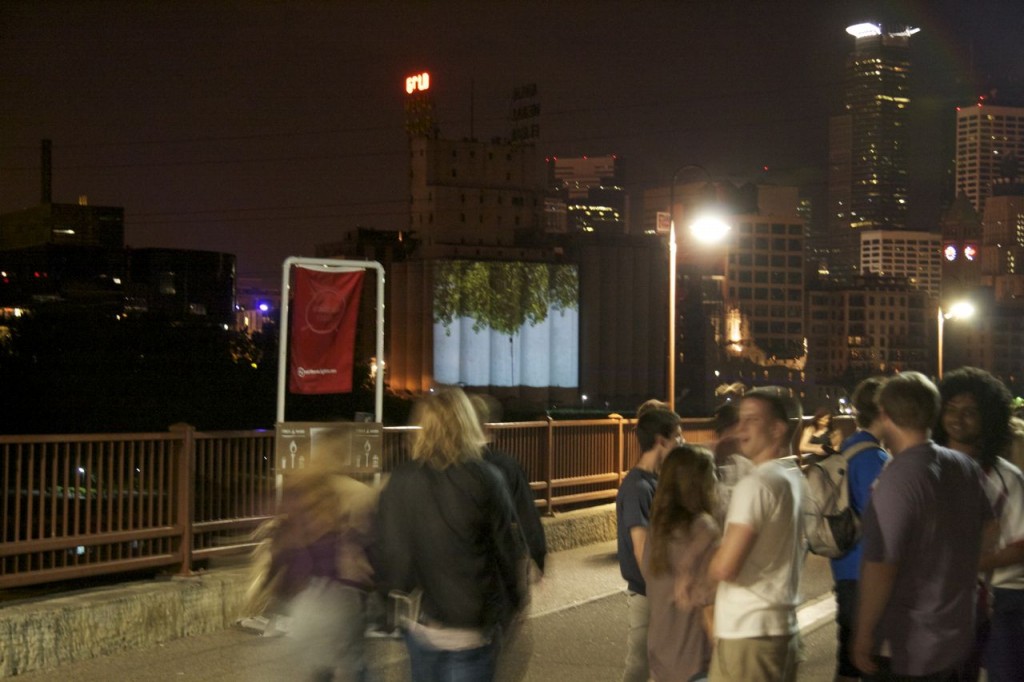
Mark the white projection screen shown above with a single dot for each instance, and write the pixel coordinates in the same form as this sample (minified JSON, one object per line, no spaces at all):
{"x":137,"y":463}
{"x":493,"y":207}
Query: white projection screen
{"x":506,"y":324}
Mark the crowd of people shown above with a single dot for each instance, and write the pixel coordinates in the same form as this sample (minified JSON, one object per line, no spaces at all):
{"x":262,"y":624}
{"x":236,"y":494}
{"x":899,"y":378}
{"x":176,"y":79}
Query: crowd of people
{"x":442,"y":553}
{"x":711,"y":541}
{"x":933,"y":587}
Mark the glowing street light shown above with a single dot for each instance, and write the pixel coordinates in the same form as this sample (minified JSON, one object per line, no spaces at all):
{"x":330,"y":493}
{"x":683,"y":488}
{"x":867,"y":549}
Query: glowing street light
{"x":706,"y":228}
{"x":960,"y":310}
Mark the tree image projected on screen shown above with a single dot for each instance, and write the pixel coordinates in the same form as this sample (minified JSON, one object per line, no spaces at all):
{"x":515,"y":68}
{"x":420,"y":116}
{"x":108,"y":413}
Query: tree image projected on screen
{"x":502,"y":296}
{"x":532,"y":306}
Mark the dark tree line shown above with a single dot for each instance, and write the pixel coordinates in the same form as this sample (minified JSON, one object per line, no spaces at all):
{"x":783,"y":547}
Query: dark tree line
{"x":71,"y":371}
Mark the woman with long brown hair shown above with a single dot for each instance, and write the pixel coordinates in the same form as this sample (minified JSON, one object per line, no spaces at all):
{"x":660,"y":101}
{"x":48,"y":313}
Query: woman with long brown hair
{"x":682,"y":538}
{"x":820,"y":436}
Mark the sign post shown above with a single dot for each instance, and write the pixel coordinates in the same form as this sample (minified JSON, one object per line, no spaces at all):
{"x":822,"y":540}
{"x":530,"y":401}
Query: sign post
{"x":299,"y":443}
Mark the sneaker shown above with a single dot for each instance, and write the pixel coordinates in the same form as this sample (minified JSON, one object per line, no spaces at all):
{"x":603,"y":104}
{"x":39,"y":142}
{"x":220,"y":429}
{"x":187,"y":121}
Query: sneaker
{"x":376,"y":632}
{"x":257,"y":624}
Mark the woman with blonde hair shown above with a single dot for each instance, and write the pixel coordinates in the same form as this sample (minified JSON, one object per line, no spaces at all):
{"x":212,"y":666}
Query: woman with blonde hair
{"x":682,"y":538}
{"x":450,"y":545}
{"x":318,"y":563}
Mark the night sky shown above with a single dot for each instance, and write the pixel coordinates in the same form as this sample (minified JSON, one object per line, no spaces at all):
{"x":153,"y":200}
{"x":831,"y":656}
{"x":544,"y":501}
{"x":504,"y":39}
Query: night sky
{"x":262,"y":128}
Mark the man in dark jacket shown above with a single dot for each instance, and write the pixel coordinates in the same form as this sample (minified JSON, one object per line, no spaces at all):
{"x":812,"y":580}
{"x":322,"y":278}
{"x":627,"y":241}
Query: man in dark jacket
{"x":489,"y":410}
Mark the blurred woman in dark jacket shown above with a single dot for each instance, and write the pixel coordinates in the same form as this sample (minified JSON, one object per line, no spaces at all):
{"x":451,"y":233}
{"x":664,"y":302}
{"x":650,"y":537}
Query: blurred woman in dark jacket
{"x":450,"y":546}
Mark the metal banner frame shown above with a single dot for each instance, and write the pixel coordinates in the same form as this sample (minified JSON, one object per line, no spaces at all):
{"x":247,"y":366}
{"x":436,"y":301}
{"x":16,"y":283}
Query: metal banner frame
{"x":336,"y":266}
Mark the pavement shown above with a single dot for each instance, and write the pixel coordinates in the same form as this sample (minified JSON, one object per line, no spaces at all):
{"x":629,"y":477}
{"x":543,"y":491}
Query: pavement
{"x":574,"y":632}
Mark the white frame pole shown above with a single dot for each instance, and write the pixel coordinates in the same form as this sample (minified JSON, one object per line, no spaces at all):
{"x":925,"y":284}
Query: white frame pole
{"x":338,"y":266}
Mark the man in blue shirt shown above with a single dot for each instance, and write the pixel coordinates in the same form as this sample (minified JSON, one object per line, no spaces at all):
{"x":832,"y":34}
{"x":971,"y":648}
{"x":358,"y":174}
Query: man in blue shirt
{"x":862,"y":470}
{"x":658,"y":431}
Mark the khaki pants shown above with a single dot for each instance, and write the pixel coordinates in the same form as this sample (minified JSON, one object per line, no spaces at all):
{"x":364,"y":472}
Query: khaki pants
{"x":636,"y":640}
{"x":756,"y":659}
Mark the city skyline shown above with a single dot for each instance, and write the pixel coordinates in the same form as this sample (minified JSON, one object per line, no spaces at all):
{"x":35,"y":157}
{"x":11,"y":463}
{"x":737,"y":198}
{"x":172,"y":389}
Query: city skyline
{"x":263,"y":131}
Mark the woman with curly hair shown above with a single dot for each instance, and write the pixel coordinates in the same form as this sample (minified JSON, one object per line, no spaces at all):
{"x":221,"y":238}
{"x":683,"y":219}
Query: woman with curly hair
{"x":975,"y":419}
{"x":682,"y":538}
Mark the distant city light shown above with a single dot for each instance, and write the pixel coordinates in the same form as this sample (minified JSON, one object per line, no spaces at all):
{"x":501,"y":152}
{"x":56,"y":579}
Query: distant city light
{"x":906,"y":32}
{"x":949,"y":252}
{"x":264,"y":307}
{"x":864,"y":30}
{"x":970,"y":252}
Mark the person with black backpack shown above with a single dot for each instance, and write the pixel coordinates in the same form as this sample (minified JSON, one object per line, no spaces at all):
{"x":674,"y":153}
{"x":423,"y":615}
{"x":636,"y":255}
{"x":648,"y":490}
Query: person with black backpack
{"x":863,"y":457}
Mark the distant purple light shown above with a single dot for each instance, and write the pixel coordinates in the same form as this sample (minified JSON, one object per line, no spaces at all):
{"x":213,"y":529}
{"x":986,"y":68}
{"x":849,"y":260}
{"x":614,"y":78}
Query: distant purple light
{"x":264,"y":307}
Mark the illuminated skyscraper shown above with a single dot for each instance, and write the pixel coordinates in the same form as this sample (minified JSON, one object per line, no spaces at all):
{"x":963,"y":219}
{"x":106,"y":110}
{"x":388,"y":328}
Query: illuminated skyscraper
{"x":868,"y":147}
{"x":989,"y":146}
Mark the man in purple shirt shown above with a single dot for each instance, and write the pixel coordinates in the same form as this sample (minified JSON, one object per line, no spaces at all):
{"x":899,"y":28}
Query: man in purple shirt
{"x":923,"y":533}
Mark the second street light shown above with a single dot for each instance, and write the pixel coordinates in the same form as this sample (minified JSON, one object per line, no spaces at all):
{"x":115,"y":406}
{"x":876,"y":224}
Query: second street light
{"x":707,"y":228}
{"x":961,"y":310}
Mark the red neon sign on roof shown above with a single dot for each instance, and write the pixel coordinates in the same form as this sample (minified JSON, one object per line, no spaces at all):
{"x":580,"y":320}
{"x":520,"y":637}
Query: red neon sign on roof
{"x":417,"y":83}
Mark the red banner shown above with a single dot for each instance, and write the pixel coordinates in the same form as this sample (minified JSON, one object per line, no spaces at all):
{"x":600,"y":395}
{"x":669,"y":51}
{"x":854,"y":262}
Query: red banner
{"x":325,"y":308}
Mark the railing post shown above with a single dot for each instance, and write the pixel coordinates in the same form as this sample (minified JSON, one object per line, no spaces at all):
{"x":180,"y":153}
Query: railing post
{"x":550,"y":458}
{"x":185,"y":493}
{"x":621,"y":438}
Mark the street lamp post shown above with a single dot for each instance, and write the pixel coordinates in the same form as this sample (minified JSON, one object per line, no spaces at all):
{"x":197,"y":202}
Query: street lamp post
{"x":707,"y":229}
{"x":961,"y":310}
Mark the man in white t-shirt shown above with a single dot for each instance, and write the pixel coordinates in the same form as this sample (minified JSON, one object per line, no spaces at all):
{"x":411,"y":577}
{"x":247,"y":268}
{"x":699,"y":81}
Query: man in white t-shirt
{"x":762,"y":552}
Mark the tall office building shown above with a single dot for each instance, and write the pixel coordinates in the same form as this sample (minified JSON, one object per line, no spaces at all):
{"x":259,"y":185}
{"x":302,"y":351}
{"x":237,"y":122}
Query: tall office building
{"x":591,"y":188}
{"x":875,"y":324}
{"x":1002,"y":247}
{"x":473,"y":193}
{"x":904,"y":253}
{"x":989,"y":146}
{"x":868,"y":145}
{"x":497,"y":293}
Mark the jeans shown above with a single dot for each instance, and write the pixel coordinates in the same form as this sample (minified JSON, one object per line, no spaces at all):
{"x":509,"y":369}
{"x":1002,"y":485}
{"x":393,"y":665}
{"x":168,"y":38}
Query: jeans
{"x":328,"y":620}
{"x":1004,"y":654}
{"x":885,"y":674}
{"x":437,"y":665}
{"x":846,"y":605}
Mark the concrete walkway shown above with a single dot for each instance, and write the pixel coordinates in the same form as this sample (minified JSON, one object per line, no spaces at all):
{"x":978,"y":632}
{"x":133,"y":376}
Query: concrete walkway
{"x":42,"y":630}
{"x":575,"y":632}
{"x":575,"y":626}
